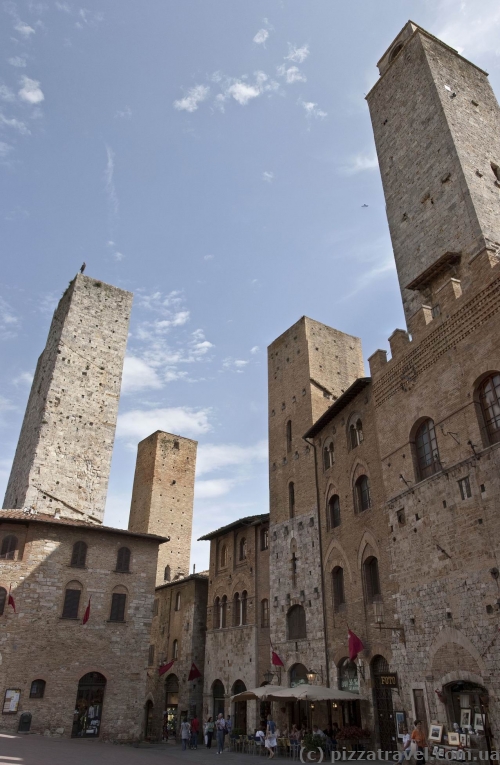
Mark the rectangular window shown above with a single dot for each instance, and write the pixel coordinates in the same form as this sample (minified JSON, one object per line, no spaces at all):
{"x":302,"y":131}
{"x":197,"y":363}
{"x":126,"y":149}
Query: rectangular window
{"x":151,"y":656}
{"x":71,"y":603}
{"x":118,"y":601}
{"x":465,"y":490}
{"x":264,"y":539}
{"x":155,"y":607}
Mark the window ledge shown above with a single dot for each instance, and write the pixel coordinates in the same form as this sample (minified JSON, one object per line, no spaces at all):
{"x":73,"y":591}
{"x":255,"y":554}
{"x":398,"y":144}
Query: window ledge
{"x":115,"y":621}
{"x":119,"y":571}
{"x":69,"y":618}
{"x":80,"y":568}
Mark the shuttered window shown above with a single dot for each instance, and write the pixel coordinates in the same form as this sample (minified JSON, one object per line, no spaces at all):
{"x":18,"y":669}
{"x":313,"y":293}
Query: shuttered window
{"x":79,"y":555}
{"x":151,"y":655}
{"x":71,"y":604}
{"x":296,"y":622}
{"x":338,"y":588}
{"x":9,"y":547}
{"x":118,"y":601}
{"x":123,"y":560}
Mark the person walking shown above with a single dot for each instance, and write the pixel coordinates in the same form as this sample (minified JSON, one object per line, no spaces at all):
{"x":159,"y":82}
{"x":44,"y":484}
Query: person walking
{"x":270,"y":742}
{"x":185,"y":734}
{"x":209,"y":732}
{"x":406,"y":746}
{"x":229,"y":730}
{"x":220,"y":728}
{"x":195,"y":727}
{"x":418,"y":736}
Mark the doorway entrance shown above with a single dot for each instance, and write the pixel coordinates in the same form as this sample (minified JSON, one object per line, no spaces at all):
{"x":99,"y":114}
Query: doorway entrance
{"x":171,"y":706}
{"x":240,"y":709}
{"x":218,"y":698}
{"x":384,"y":711}
{"x":148,"y":728}
{"x":88,"y":706}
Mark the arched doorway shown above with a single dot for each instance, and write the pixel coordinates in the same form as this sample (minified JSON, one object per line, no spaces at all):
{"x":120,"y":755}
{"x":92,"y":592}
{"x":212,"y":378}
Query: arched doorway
{"x":384,"y":712}
{"x":240,"y":709}
{"x":298,"y":711}
{"x":349,"y":681}
{"x":218,"y":695}
{"x":88,"y":707}
{"x":171,"y":705}
{"x":298,"y":675}
{"x":467,"y":704}
{"x":148,"y":727}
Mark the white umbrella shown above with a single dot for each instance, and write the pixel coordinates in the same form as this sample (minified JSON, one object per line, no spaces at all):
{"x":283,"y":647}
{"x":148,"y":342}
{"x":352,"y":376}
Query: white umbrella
{"x":257,"y":693}
{"x":310,"y":693}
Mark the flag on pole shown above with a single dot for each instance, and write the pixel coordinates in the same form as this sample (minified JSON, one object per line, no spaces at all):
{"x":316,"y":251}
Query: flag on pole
{"x":194,"y":672}
{"x":86,"y":615}
{"x":275,"y":659}
{"x":355,"y":645}
{"x":165,"y":667}
{"x":11,"y":601}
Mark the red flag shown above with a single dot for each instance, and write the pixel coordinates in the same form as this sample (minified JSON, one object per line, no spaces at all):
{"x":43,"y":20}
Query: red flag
{"x":355,"y":645}
{"x":11,"y":601}
{"x":86,"y":615}
{"x":165,"y":667}
{"x":275,"y":660}
{"x":194,"y":672}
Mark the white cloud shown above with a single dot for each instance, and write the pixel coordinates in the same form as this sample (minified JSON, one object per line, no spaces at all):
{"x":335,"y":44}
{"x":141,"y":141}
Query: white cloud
{"x":359,"y":163}
{"x":213,"y":457}
{"x":8,"y":321}
{"x":25,"y":378}
{"x":5,"y":149}
{"x":261,"y":36}
{"x":109,"y":181}
{"x":139,"y":423}
{"x":124,"y":114}
{"x":297,"y":54}
{"x":31,"y":91}
{"x":48,"y":302}
{"x":255,"y":349}
{"x":14,"y":123}
{"x":213,"y":487}
{"x":6,"y":94}
{"x":242,"y":92}
{"x":88,"y":18}
{"x":312,"y":110}
{"x":291,"y":74}
{"x":24,"y":29}
{"x":470,"y":27}
{"x":63,"y":7}
{"x":137,"y":375}
{"x":236,"y":365}
{"x":208,"y":257}
{"x":17,"y":61}
{"x":268,"y":176}
{"x":194,"y":97}
{"x":118,"y":255}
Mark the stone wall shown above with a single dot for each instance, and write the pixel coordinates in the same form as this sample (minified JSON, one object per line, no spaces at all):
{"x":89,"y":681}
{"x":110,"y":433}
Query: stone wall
{"x":36,"y":643}
{"x":63,"y":456}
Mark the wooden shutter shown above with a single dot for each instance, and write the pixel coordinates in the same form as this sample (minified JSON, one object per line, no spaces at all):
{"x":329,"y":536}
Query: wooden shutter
{"x":71,"y":604}
{"x":118,"y":601}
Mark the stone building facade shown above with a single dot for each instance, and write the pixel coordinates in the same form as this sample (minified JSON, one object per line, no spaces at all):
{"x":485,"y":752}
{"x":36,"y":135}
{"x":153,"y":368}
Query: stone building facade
{"x":63,"y":456}
{"x":56,"y":566}
{"x":162,"y":499}
{"x":237,"y":638}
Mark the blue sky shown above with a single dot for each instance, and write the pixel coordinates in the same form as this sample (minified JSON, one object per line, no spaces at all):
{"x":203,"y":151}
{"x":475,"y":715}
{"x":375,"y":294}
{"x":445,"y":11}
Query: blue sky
{"x":213,"y":158}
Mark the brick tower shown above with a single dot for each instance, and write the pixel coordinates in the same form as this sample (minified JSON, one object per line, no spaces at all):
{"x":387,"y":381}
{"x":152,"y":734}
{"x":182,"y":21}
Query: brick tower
{"x":437,"y":130}
{"x":309,"y":366}
{"x":162,"y":499}
{"x":63,"y":456}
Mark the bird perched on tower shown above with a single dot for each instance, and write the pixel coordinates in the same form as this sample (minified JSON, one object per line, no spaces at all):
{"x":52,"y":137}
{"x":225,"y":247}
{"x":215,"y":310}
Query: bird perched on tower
{"x":83,"y":267}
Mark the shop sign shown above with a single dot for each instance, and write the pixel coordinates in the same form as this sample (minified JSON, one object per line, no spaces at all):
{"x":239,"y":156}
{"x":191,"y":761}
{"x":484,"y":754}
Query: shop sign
{"x":389,"y":680}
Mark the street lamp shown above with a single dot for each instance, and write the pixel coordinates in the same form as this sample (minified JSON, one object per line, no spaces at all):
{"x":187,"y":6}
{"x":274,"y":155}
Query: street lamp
{"x":268,"y":676}
{"x":312,"y":675}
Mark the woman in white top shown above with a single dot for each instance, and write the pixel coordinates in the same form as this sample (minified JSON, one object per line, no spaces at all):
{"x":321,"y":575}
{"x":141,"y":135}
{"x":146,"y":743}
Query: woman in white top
{"x":270,"y":741}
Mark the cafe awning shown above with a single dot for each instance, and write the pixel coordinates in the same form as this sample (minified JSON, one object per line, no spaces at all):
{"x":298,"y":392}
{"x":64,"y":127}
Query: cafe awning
{"x":299,"y":693}
{"x":257,"y":693}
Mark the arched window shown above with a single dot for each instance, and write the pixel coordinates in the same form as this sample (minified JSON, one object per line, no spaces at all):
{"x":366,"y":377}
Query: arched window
{"x":175,"y":649}
{"x":372,"y":580}
{"x":244,"y":607}
{"x":328,"y":456}
{"x":178,"y":601}
{"x":218,"y":694}
{"x":123,"y":560}
{"x":296,"y":623}
{"x":289,"y":436}
{"x":223,"y":612}
{"x":333,"y":512}
{"x":338,"y":588}
{"x":37,"y":689}
{"x":427,"y":450}
{"x":362,"y":499}
{"x":243,"y":549}
{"x":79,"y":555}
{"x":236,"y":610}
{"x":166,"y":574}
{"x":394,"y":52}
{"x":355,"y":433}
{"x":348,"y":676}
{"x":298,"y":675}
{"x":72,"y":597}
{"x":216,"y":619}
{"x":489,"y":399}
{"x":118,"y":605}
{"x":223,"y":556}
{"x":264,"y":613}
{"x":3,"y":599}
{"x":291,"y":499}
{"x":9,"y":547}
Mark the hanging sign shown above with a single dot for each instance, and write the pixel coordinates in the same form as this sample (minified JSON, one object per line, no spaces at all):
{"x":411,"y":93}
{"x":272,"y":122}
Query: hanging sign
{"x":389,"y":680}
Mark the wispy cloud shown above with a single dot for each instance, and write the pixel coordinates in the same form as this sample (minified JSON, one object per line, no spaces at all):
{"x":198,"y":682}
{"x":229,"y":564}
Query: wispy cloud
{"x":5,"y":150}
{"x":124,"y":114}
{"x":268,"y":176}
{"x":24,"y":29}
{"x":261,"y":37}
{"x":23,"y":379}
{"x":62,"y":7}
{"x":9,"y":321}
{"x":18,"y":61}
{"x":31,"y":91}
{"x":14,"y":123}
{"x":138,"y":375}
{"x":88,"y":18}
{"x":470,"y":29}
{"x":6,"y":94}
{"x":212,"y":457}
{"x":194,"y":97}
{"x":254,"y":350}
{"x":140,"y":423}
{"x":312,"y":110}
{"x":297,"y":54}
{"x":360,"y":163}
{"x":291,"y":74}
{"x":213,"y":487}
{"x":110,"y":183}
{"x":208,"y":257}
{"x":244,"y":91}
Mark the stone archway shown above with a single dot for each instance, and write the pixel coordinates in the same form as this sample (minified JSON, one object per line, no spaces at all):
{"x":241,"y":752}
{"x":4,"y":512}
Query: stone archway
{"x":88,"y":706}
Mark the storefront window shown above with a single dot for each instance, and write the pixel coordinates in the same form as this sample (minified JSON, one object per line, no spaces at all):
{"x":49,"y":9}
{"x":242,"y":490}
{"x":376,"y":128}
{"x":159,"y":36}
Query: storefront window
{"x":348,"y":676}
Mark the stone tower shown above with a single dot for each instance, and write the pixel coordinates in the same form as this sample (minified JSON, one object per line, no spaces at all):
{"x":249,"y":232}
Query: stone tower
{"x":437,"y":131}
{"x":309,"y":367}
{"x":63,"y":456}
{"x":162,"y":499}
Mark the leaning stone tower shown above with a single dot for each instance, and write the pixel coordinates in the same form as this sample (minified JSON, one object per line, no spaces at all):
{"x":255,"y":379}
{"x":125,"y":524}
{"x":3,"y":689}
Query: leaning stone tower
{"x":63,"y":456}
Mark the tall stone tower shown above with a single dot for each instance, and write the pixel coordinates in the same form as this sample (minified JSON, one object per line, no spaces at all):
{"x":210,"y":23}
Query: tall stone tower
{"x":63,"y":456}
{"x":162,"y":499}
{"x":309,"y":366}
{"x":437,"y":130}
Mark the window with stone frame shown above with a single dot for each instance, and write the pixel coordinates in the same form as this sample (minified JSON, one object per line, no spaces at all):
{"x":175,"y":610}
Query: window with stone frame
{"x":118,"y":606}
{"x":291,"y":499}
{"x":264,"y":539}
{"x":328,"y":456}
{"x":123,"y":560}
{"x":296,"y":623}
{"x":223,"y":612}
{"x":372,"y":579}
{"x":362,"y":498}
{"x":426,"y":450}
{"x":264,"y":613}
{"x":151,"y":655}
{"x":79,"y":555}
{"x":166,"y":574}
{"x":72,"y":597}
{"x":355,"y":433}
{"x":348,"y":676}
{"x":489,"y":400}
{"x":338,"y":588}
{"x":177,"y":601}
{"x":10,"y":546}
{"x":243,"y":549}
{"x":216,"y":614}
{"x":289,"y":436}
{"x":236,"y":610}
{"x":37,"y":689}
{"x":333,"y":519}
{"x":244,"y":601}
{"x":175,"y":649}
{"x":223,"y":556}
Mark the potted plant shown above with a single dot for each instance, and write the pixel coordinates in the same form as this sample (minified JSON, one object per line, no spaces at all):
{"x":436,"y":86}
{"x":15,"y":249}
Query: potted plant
{"x":354,"y":735}
{"x":312,"y":742}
